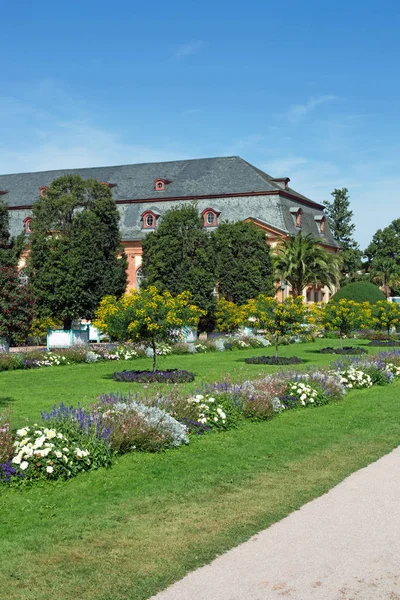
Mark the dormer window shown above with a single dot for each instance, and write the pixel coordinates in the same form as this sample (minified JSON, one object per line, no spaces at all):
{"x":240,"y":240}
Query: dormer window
{"x":159,"y":184}
{"x":108,"y":184}
{"x":27,"y":224}
{"x":297,"y":212}
{"x":320,"y":220}
{"x":42,"y":191}
{"x":149,"y":219}
{"x":210,"y":217}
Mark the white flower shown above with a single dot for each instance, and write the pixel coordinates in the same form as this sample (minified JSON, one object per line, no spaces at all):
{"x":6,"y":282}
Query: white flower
{"x":58,"y":453}
{"x":216,"y":419}
{"x":49,"y":469}
{"x":24,"y":465}
{"x":17,"y":459}
{"x":303,"y":397}
{"x":22,"y":432}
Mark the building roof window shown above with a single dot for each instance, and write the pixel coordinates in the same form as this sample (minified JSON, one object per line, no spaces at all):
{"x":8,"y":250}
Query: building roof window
{"x":27,"y":224}
{"x":297,"y":212}
{"x":320,"y":220}
{"x":210,"y":217}
{"x":149,"y":219}
{"x":160,"y":183}
{"x":42,"y":190}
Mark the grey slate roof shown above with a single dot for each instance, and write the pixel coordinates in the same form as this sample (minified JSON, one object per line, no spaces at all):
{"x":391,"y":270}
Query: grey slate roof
{"x":193,"y":178}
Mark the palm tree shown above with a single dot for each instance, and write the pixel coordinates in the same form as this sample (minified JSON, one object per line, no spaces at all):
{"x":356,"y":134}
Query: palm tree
{"x":386,"y":272}
{"x":301,"y":261}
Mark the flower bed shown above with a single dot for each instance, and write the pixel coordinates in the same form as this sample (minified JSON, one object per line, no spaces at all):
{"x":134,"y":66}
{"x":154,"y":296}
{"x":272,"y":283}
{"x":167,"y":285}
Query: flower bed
{"x":346,"y":350}
{"x":167,"y":376}
{"x":385,"y":343}
{"x":72,"y":440}
{"x":274,"y":360}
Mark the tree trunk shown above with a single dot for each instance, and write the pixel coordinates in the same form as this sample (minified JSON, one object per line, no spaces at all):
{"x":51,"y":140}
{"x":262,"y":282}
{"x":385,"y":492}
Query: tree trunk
{"x":276,"y":346}
{"x":154,"y":355}
{"x":67,"y":324}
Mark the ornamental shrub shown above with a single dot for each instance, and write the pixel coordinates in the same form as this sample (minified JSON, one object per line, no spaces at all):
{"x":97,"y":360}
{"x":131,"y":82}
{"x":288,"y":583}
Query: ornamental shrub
{"x":347,"y":350}
{"x":359,"y":291}
{"x":353,"y":378}
{"x":261,"y":398}
{"x":136,"y":426}
{"x":301,"y":393}
{"x":167,"y":376}
{"x":48,"y":453}
{"x":6,"y":436}
{"x":217,"y":411}
{"x":274,"y":360}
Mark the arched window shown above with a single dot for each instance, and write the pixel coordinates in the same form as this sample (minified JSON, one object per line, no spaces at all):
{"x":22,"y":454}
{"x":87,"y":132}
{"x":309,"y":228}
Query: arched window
{"x":27,"y":224}
{"x":149,"y":219}
{"x":210,"y":217}
{"x":139,"y":278}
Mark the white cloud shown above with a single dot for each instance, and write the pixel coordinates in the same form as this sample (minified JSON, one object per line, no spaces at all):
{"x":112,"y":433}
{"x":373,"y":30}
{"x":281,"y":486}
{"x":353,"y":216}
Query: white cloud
{"x":190,"y":48}
{"x":298,"y":111}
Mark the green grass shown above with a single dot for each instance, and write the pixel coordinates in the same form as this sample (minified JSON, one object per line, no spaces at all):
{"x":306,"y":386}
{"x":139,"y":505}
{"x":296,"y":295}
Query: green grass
{"x":29,"y":392}
{"x":125,"y":533}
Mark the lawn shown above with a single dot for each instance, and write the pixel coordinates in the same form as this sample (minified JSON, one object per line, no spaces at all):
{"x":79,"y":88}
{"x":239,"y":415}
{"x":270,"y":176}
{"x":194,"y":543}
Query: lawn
{"x":124,"y":533}
{"x":31,"y":391}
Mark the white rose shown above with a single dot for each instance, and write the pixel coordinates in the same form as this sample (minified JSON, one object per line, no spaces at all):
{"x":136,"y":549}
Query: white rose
{"x":49,"y":469}
{"x":24,"y":465}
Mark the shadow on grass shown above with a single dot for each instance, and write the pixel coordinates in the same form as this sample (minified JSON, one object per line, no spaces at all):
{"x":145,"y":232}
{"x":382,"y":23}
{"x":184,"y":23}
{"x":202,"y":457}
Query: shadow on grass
{"x":6,"y":401}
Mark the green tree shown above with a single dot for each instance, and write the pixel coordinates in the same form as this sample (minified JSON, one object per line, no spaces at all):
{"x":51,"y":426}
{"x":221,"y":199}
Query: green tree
{"x":76,"y":256}
{"x":10,"y":248}
{"x":345,"y":316}
{"x":179,"y":257}
{"x":340,"y":223}
{"x":301,"y":261}
{"x":385,"y":272}
{"x":16,"y":306}
{"x":385,"y":245}
{"x":276,"y":318}
{"x":386,"y":315}
{"x":243,"y":259}
{"x":147,"y":315}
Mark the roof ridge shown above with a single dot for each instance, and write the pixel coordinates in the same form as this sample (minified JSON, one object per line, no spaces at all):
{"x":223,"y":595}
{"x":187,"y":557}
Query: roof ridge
{"x":160,"y":162}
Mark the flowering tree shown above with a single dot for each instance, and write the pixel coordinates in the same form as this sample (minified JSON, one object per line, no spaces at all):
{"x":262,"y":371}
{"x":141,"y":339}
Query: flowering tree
{"x":345,"y":316}
{"x":276,"y":318}
{"x":386,"y":315}
{"x":229,"y":316}
{"x":16,"y":306}
{"x":147,"y":315}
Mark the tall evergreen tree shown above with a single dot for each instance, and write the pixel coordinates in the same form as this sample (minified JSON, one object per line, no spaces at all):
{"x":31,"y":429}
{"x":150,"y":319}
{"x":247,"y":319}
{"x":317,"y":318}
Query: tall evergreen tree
{"x":243,"y":259}
{"x":383,"y":254}
{"x":10,"y":248}
{"x":340,"y":222}
{"x":76,"y":256}
{"x":179,"y":256}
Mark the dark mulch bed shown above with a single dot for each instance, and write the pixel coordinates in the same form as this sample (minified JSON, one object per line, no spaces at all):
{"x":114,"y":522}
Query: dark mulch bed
{"x":345,"y":350}
{"x":167,"y":376}
{"x":383,"y":343}
{"x":273,"y":360}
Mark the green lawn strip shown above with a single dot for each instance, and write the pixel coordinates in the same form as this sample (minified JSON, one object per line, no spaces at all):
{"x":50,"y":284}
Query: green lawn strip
{"x":28,"y":392}
{"x":127,"y":532}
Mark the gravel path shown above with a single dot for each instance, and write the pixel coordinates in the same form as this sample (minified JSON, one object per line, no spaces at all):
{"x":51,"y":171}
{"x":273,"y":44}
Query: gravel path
{"x":344,"y":545}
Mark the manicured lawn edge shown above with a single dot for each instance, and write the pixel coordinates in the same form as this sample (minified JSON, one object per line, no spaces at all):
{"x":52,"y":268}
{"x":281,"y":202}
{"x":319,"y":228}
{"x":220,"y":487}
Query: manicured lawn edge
{"x":127,"y":532}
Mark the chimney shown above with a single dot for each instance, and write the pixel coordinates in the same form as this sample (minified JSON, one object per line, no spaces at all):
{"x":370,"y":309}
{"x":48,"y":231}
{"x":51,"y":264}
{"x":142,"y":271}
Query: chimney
{"x":282,"y":182}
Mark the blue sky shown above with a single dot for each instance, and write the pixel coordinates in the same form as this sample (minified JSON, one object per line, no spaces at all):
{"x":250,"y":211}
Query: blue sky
{"x":309,"y":90}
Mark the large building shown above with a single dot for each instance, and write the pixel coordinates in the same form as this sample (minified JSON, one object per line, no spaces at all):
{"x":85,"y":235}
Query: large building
{"x":225,"y":189}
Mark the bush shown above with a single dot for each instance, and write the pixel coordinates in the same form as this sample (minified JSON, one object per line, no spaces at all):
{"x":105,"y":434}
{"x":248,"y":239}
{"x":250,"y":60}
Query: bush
{"x":216,"y":411}
{"x":180,"y":348}
{"x":135,"y":426}
{"x":348,"y":350}
{"x":261,"y":398}
{"x":274,"y":360}
{"x":383,"y":343}
{"x":48,"y":453}
{"x":353,"y":378}
{"x":359,"y":291}
{"x":6,"y":437}
{"x":301,"y":393}
{"x":167,"y":376}
{"x":205,"y":346}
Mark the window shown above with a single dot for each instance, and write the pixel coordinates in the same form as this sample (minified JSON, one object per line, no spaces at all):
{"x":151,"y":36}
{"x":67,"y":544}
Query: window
{"x":160,"y":185}
{"x":210,"y":217}
{"x":42,"y":191}
{"x":27,"y":224}
{"x":139,"y":278}
{"x":149,"y":219}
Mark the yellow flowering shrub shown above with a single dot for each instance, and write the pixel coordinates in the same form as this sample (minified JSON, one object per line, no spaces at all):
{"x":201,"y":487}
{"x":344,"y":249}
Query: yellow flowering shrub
{"x":229,"y":316}
{"x":276,"y":318}
{"x":345,"y":316}
{"x":147,"y":315}
{"x":385,"y":315}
